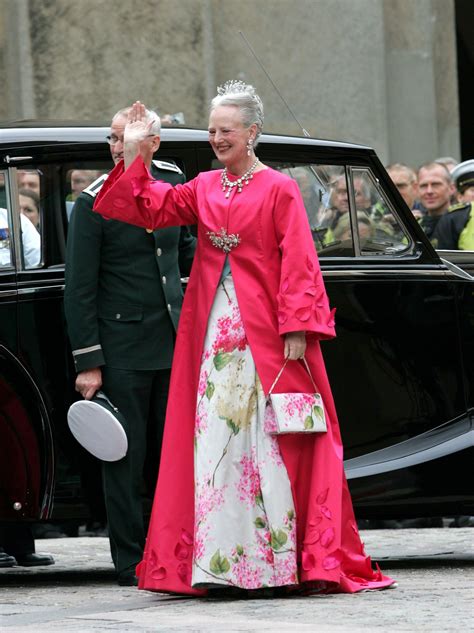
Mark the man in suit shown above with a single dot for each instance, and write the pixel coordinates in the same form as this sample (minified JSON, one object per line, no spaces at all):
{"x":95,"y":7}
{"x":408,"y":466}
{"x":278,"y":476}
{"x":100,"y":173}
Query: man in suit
{"x":122,"y":300}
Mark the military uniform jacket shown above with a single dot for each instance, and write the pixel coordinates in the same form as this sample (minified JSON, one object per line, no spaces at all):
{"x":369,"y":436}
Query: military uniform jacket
{"x":123,"y":285}
{"x":455,"y":230}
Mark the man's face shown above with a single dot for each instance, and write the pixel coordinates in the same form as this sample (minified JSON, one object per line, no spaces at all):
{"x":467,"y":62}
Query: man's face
{"x":406,"y":185}
{"x":29,"y":180}
{"x":116,"y":133}
{"x":80,"y":179}
{"x":435,"y":189}
{"x":361,"y":195}
{"x":339,"y":197}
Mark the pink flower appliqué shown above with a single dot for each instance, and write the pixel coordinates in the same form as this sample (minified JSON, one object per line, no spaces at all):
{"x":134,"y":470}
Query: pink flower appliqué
{"x":333,"y":560}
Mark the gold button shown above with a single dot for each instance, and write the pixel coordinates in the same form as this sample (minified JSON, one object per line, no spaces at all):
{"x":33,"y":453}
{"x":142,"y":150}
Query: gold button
{"x":158,"y":252}
{"x":149,"y":230}
{"x":163,"y":279}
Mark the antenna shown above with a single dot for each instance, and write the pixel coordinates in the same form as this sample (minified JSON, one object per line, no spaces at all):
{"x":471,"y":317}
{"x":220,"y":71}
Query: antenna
{"x":249,"y":46}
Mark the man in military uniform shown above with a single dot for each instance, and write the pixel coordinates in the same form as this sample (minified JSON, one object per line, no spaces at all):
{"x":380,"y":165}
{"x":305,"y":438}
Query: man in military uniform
{"x":455,"y":230}
{"x":123,"y":298}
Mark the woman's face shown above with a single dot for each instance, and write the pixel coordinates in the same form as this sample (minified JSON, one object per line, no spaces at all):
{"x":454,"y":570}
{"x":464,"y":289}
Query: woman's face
{"x":228,"y":136}
{"x":29,"y":208}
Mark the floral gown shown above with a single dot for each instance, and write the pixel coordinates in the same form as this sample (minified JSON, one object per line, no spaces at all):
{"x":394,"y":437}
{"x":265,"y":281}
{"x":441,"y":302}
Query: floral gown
{"x":245,"y":523}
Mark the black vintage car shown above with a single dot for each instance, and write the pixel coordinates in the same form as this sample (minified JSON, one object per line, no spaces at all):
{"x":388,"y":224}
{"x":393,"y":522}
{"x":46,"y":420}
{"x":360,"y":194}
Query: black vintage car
{"x":401,"y":367}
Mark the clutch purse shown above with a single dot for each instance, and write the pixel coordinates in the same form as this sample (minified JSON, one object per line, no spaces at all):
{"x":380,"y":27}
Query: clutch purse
{"x":294,"y":412}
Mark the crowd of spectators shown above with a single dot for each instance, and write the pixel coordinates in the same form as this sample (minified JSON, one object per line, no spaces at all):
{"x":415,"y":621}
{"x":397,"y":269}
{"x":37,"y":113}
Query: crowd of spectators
{"x":441,"y":195}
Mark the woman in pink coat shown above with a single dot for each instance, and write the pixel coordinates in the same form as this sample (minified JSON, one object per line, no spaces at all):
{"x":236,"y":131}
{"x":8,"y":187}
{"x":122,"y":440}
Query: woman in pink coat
{"x":236,"y":506}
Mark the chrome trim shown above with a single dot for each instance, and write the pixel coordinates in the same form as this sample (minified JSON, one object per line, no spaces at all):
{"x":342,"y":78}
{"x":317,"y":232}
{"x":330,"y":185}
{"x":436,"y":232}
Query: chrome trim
{"x":444,"y":440}
{"x":456,"y":270}
{"x":10,"y":159}
{"x":385,"y":271}
{"x":31,"y":282}
{"x":31,"y":291}
{"x":8,"y":293}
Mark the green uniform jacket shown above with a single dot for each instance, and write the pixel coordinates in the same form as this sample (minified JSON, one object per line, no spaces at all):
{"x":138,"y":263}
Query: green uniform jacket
{"x":123,"y":285}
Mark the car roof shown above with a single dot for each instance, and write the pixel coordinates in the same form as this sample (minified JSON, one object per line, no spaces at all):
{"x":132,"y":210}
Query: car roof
{"x":37,"y":132}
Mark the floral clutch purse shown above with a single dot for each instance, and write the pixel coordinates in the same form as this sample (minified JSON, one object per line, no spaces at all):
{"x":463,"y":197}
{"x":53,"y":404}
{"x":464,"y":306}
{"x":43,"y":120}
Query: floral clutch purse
{"x":294,"y":412}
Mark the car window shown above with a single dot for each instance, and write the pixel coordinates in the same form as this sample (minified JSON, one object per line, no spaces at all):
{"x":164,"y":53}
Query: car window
{"x":78,"y":178}
{"x":380,"y":231}
{"x":30,"y":191}
{"x":348,"y":211}
{"x":324,"y":192}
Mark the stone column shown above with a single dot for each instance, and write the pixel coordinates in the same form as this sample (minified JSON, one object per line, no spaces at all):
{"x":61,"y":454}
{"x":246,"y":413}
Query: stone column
{"x":422,"y":101}
{"x":17,"y":69}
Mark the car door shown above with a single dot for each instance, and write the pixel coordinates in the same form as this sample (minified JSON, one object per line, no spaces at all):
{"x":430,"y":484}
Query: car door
{"x":22,"y":484}
{"x":397,"y":369}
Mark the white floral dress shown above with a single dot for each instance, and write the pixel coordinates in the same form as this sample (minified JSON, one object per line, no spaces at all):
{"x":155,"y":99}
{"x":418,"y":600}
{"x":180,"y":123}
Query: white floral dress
{"x":245,"y":522}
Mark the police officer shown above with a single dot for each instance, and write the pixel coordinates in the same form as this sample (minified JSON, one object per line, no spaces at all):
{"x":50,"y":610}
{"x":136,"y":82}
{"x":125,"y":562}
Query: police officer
{"x":122,"y":300}
{"x":455,"y":230}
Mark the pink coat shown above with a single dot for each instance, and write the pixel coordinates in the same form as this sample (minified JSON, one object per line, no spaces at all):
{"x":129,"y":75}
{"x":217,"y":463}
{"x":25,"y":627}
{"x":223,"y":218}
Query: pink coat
{"x":280,"y":289}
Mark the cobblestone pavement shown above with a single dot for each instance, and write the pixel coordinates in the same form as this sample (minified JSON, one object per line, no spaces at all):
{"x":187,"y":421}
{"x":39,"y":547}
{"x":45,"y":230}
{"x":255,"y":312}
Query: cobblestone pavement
{"x":434,"y":569}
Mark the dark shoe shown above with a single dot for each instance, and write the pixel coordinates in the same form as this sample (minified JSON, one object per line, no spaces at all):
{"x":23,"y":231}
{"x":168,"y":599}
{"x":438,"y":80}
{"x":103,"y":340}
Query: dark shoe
{"x":127,"y":579}
{"x":6,"y":560}
{"x":34,"y":560}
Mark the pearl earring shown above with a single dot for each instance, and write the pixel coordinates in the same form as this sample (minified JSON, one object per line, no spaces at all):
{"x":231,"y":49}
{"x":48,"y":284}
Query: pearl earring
{"x":249,"y":147}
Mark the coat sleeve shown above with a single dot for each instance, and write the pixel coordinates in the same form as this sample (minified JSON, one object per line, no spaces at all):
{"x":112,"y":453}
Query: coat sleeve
{"x":82,"y":274}
{"x":302,"y":300}
{"x":133,"y":196}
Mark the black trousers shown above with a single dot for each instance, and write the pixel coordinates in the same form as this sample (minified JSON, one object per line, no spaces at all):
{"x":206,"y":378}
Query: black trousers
{"x":16,"y":539}
{"x":141,"y":396}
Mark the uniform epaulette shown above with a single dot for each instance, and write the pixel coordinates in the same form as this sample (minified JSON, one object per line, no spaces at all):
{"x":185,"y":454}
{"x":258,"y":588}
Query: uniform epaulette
{"x":94,"y":188}
{"x":460,"y":206}
{"x":163,"y":164}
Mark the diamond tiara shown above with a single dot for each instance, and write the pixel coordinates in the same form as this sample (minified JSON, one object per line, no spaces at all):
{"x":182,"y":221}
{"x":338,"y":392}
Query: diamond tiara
{"x":234,"y":86}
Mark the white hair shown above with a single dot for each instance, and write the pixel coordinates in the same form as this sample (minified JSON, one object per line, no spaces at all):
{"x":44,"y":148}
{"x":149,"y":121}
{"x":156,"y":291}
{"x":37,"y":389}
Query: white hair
{"x":151,"y":116}
{"x":244,"y":97}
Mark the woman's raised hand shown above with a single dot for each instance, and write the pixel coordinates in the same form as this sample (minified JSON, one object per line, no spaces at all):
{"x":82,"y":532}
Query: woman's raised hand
{"x":137,"y":127}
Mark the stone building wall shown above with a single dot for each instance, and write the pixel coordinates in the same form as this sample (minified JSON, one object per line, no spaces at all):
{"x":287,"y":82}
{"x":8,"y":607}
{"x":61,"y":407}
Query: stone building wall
{"x":381,"y":72}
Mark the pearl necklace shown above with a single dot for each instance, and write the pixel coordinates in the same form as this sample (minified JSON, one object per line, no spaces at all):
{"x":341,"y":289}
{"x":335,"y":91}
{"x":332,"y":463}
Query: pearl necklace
{"x":239,"y":183}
